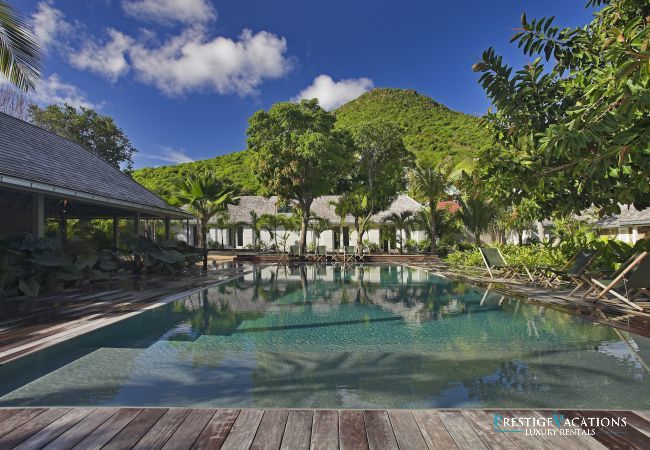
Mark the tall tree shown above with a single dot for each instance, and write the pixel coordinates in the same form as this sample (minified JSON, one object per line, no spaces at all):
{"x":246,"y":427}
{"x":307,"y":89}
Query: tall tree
{"x":299,"y":154}
{"x":379,"y":172}
{"x":205,"y":196}
{"x":430,"y":184}
{"x":95,"y":132}
{"x":20,"y":54}
{"x":573,"y":132}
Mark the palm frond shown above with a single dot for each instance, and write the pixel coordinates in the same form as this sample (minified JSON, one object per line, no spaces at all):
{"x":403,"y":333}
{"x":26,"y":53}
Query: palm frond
{"x":20,"y":54}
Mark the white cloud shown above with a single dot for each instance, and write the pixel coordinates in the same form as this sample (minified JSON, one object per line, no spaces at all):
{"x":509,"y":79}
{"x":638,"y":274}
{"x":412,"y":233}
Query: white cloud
{"x":49,"y":24}
{"x":332,"y":94}
{"x":167,"y":155}
{"x":107,"y":59}
{"x":192,"y":61}
{"x":53,"y":90}
{"x":171,"y":11}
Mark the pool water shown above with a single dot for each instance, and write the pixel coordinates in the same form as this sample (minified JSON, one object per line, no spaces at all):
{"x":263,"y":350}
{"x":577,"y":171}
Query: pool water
{"x":332,"y":337}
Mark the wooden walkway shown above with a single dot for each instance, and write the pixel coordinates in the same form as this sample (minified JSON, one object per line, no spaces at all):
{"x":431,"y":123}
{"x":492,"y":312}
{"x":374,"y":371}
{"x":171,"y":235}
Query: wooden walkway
{"x":28,"y":325}
{"x":182,"y":428}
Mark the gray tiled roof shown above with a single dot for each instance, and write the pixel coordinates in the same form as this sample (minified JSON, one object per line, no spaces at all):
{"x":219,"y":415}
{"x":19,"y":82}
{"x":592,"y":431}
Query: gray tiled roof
{"x":322,"y":207}
{"x":37,"y":155}
{"x":629,"y":216}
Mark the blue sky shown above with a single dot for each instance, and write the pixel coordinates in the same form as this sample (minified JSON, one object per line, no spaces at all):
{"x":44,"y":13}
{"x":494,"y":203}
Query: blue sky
{"x":181,"y":77}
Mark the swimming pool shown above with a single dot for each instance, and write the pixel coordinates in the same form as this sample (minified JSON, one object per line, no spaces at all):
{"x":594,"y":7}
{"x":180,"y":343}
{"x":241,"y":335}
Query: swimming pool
{"x":336,"y":337}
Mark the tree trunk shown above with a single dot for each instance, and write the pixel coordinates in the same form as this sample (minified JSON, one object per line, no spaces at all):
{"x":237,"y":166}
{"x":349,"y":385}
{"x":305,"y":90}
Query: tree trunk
{"x":303,"y":231}
{"x":359,"y":241}
{"x":520,"y":237}
{"x":478,"y":238}
{"x":540,"y":231}
{"x":204,"y":244}
{"x":432,"y":249}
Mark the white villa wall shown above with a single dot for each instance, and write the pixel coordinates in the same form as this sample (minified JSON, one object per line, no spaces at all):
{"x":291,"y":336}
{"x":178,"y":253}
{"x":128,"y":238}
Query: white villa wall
{"x":326,"y":238}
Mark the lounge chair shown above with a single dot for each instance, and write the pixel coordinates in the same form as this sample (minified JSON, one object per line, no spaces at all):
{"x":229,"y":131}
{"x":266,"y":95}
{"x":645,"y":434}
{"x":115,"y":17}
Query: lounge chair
{"x":633,"y":277}
{"x":494,"y":261}
{"x":294,"y":251}
{"x":320,"y":255}
{"x":574,"y":270}
{"x":349,"y":253}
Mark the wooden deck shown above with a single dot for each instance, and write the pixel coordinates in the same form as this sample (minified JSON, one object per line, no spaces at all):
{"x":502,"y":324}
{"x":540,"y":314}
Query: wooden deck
{"x":183,"y":428}
{"x":28,"y":325}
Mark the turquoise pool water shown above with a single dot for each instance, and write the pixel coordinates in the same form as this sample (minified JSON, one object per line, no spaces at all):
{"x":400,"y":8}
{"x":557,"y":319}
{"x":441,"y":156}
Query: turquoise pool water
{"x":306,"y":336}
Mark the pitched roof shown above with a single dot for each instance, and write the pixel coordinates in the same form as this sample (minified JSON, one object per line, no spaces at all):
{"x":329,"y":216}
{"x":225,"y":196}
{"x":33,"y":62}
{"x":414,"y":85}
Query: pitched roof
{"x":30,"y":153}
{"x":629,"y":216}
{"x":322,"y":207}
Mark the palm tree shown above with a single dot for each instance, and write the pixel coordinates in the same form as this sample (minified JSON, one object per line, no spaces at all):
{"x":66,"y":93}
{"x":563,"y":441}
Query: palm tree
{"x":205,"y":196}
{"x":271,"y":223}
{"x":256,"y":225}
{"x":19,"y":53}
{"x":477,"y":215}
{"x":402,"y":222}
{"x":318,"y":226}
{"x":341,"y":208}
{"x":431,"y":185}
{"x":222,"y":222}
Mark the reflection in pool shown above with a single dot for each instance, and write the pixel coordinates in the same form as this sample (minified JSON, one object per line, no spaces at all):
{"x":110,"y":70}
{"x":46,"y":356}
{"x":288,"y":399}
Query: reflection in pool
{"x":332,"y":337}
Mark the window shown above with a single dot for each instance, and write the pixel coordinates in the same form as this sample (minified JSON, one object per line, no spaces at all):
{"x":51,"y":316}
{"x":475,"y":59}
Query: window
{"x":284,"y":209}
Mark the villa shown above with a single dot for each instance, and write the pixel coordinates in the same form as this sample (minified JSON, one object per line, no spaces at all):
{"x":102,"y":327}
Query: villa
{"x":341,"y":234}
{"x":44,"y":176}
{"x":630,"y":226}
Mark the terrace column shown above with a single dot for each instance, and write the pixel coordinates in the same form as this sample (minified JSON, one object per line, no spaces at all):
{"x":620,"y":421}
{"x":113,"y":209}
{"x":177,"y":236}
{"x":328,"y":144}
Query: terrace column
{"x":187,"y":231}
{"x":136,"y":232}
{"x":63,"y":230}
{"x":116,"y":232}
{"x":168,"y":234}
{"x":38,"y":215}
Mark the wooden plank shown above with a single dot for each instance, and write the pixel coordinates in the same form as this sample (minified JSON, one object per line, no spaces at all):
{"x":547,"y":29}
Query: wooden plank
{"x":635,"y":419}
{"x":460,"y":430}
{"x":406,"y":430}
{"x":627,"y":436}
{"x":643,"y":414}
{"x":18,"y":419}
{"x":352,"y":430}
{"x":559,"y":441}
{"x":6,"y":413}
{"x":33,"y":426}
{"x":243,"y":430}
{"x":519,"y":439}
{"x":379,"y":430}
{"x":189,"y":431}
{"x":82,"y":429}
{"x":483,"y":425}
{"x":54,"y":429}
{"x":433,"y":430}
{"x":216,"y":430}
{"x":109,"y":429}
{"x":269,"y":434}
{"x":576,"y":440}
{"x":297,"y":433}
{"x":138,"y":427}
{"x":163,"y":429}
{"x":325,"y":430}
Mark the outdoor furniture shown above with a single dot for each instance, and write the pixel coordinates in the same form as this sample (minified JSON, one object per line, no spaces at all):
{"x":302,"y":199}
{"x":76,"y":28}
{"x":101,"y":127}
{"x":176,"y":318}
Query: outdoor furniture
{"x":320,"y":255}
{"x":574,"y":271}
{"x":494,"y":260}
{"x":294,"y":251}
{"x":349,"y":254}
{"x":632,"y":277}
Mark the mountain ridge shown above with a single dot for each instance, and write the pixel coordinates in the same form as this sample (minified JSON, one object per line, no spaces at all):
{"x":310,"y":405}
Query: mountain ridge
{"x":432,"y":131}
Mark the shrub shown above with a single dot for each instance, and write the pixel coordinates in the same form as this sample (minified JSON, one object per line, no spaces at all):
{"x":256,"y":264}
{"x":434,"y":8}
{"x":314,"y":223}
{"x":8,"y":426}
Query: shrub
{"x":372,"y":247}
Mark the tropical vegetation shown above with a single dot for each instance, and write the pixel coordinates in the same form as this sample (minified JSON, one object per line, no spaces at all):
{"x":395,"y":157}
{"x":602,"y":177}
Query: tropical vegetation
{"x":20,"y":54}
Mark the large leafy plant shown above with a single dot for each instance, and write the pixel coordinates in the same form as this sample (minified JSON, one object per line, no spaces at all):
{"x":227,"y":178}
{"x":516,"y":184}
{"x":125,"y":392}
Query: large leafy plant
{"x":572,"y":128}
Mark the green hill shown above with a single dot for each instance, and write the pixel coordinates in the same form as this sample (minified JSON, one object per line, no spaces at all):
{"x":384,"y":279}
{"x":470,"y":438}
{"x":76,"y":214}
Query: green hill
{"x":234,"y":166}
{"x":432,"y":132}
